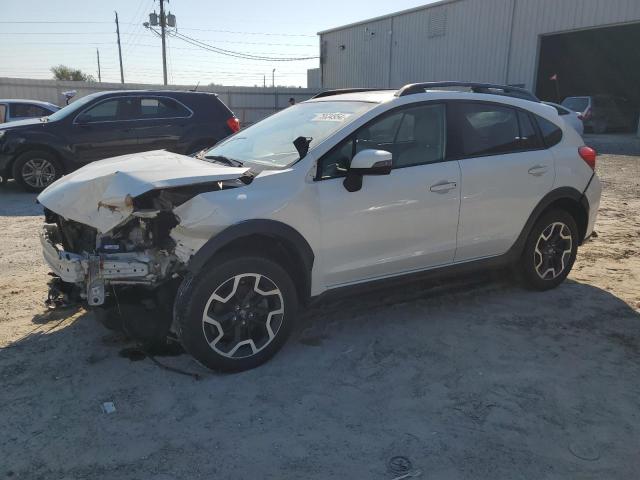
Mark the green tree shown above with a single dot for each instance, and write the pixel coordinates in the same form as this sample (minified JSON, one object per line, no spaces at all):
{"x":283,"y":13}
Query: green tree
{"x":62,"y":72}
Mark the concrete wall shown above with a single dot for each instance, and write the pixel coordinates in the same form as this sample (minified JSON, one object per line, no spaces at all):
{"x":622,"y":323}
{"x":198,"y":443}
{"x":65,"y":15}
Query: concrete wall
{"x":475,"y":40}
{"x":250,"y":104}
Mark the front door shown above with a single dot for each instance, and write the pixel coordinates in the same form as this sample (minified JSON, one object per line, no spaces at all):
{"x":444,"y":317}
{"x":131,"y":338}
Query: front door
{"x":397,"y":223}
{"x":104,"y":130}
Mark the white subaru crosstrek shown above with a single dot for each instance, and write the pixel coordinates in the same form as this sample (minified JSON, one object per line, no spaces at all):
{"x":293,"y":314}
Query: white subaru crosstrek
{"x":350,"y":187}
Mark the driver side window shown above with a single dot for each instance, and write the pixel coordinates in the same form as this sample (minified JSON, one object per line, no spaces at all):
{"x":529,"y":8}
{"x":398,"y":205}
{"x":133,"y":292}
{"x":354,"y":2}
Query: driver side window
{"x":378,"y":135}
{"x":414,"y":136}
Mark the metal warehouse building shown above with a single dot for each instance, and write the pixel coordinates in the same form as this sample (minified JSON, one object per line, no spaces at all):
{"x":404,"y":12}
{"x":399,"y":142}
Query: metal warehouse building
{"x":593,"y":46}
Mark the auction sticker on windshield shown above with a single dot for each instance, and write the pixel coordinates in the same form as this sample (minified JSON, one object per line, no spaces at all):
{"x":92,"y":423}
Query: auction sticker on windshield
{"x":330,"y":117}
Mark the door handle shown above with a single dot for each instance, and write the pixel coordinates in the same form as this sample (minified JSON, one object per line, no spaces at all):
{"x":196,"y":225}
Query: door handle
{"x":443,"y":187}
{"x":537,"y":170}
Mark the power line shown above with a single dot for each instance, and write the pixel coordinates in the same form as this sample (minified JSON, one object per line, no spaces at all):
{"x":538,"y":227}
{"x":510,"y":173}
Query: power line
{"x":251,"y":33}
{"x":236,"y":54}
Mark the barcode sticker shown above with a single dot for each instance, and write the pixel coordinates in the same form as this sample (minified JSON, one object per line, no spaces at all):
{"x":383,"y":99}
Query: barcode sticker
{"x":330,"y":117}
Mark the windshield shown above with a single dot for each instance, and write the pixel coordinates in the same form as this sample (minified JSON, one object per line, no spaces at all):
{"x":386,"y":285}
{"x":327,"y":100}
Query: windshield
{"x":576,"y":104}
{"x":72,"y":107}
{"x":270,"y":141}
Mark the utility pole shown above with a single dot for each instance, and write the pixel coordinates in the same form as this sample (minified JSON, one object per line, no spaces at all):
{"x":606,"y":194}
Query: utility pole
{"x":98,"y":55}
{"x":119,"y":49}
{"x":273,"y":78}
{"x":264,"y":81}
{"x":163,"y":24}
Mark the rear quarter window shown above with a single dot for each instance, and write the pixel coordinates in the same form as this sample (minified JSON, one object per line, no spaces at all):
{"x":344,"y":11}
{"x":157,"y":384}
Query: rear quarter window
{"x":551,"y":133}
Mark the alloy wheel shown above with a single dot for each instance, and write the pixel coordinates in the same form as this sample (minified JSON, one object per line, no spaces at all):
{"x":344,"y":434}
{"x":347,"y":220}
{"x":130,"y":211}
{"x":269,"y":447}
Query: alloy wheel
{"x":243,"y":315}
{"x":38,"y":173}
{"x":553,"y":250}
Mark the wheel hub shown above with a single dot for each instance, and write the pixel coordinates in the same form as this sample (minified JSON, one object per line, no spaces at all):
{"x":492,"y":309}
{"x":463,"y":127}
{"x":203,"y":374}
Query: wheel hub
{"x":553,"y":249}
{"x":243,"y":315}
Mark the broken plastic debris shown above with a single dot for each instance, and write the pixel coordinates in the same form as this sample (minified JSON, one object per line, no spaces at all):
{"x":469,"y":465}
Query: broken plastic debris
{"x":108,"y":407}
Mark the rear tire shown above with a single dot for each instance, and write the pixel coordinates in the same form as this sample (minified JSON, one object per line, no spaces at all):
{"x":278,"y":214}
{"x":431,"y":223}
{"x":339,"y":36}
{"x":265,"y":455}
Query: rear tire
{"x":35,"y":170}
{"x":236,"y":315}
{"x":550,"y":251}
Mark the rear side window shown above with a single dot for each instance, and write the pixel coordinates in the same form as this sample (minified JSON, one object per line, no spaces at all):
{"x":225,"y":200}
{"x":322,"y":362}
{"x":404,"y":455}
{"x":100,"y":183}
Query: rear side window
{"x":551,"y":133}
{"x":25,"y":110}
{"x":162,"y":108}
{"x":478,"y":129}
{"x":529,"y":138}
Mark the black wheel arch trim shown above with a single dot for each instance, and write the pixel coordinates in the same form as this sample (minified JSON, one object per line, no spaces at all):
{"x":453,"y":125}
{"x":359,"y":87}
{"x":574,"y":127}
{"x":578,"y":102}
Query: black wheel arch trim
{"x":562,"y":193}
{"x":270,"y":228}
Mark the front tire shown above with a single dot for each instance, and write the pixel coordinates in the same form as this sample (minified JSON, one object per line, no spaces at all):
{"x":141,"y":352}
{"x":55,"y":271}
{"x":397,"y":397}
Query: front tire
{"x":550,"y":251}
{"x":35,"y":170}
{"x":236,"y":315}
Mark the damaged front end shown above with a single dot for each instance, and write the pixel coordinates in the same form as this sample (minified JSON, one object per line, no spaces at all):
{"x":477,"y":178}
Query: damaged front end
{"x":118,"y":253}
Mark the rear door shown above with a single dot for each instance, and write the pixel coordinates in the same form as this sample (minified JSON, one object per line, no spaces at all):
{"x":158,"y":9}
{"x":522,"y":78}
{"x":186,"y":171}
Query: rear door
{"x":160,"y":123}
{"x":104,"y":130}
{"x":505,"y":172}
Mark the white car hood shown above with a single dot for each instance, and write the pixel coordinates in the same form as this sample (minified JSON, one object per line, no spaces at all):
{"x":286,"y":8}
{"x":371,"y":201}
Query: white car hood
{"x":96,"y":194}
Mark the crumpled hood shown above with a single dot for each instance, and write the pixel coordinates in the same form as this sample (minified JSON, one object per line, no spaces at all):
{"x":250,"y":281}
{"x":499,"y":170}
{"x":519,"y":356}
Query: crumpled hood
{"x":96,"y":194}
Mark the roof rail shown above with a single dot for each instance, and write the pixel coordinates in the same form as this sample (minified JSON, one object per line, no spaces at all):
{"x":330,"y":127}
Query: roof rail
{"x":340,"y":91}
{"x":490,"y":88}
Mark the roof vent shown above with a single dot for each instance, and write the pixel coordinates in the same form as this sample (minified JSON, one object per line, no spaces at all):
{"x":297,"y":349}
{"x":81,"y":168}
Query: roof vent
{"x":438,"y":22}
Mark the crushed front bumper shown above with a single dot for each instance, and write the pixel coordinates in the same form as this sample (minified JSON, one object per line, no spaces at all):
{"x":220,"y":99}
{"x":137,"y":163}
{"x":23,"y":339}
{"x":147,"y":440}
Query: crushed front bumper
{"x":93,"y":272}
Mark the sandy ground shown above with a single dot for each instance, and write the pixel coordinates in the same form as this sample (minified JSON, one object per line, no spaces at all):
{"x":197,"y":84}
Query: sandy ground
{"x":475,"y":379}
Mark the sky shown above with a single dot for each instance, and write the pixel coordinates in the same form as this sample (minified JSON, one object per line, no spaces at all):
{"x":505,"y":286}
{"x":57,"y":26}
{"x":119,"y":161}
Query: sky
{"x":38,"y":34}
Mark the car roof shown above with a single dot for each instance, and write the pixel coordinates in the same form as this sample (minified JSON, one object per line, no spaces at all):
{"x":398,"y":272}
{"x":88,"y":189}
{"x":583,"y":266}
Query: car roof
{"x":384,"y":96}
{"x":152,"y":92}
{"x":33,"y":102}
{"x":375,"y":96}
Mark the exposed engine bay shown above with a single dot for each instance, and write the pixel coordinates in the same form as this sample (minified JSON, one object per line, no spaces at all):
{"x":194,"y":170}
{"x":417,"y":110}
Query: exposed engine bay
{"x":138,"y":252}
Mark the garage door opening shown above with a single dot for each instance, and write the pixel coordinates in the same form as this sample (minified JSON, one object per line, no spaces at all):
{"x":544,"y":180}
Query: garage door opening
{"x":600,"y":61}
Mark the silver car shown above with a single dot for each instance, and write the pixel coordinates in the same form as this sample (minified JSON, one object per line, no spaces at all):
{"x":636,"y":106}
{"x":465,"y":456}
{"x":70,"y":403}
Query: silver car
{"x":16,"y":109}
{"x":572,"y":118}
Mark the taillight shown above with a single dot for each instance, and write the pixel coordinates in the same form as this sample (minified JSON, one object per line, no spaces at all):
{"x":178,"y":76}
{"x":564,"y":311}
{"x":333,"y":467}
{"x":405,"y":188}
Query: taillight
{"x":234,"y":124}
{"x":587,"y":114}
{"x":588,"y":154}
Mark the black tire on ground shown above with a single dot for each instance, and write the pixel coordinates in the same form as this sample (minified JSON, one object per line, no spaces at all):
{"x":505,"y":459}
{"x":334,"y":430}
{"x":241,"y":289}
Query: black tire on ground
{"x":35,"y":170}
{"x":556,"y":225}
{"x":235,"y":280}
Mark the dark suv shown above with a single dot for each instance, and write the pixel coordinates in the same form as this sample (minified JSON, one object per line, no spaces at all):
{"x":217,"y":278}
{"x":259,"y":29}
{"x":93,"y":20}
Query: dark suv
{"x":38,"y":151}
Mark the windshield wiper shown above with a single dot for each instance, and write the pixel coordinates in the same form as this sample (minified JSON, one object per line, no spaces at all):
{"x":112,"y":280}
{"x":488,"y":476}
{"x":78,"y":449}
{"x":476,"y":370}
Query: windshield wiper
{"x":222,"y":159}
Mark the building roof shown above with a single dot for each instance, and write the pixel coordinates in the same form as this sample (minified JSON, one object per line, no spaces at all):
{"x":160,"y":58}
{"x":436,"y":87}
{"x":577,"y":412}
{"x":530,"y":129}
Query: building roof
{"x":388,"y":15}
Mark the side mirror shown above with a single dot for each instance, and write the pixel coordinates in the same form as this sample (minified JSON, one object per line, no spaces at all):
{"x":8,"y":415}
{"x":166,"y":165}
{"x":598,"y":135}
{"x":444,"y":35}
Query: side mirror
{"x":83,"y":119}
{"x":367,"y":162}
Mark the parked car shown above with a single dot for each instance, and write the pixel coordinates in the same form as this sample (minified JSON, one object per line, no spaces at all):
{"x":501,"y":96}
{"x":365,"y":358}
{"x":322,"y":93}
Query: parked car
{"x":15,"y":109}
{"x":572,"y":118}
{"x":344,"y":190}
{"x":36,"y":152}
{"x":601,"y":113}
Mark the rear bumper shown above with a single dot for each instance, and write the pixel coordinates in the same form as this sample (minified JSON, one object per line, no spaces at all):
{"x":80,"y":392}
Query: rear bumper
{"x":592,"y":194}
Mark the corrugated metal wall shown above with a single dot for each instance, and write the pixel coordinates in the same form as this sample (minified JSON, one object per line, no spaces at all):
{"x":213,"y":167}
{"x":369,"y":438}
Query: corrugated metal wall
{"x":468,"y":49}
{"x":250,"y":104}
{"x":483,"y":40}
{"x":539,"y":17}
